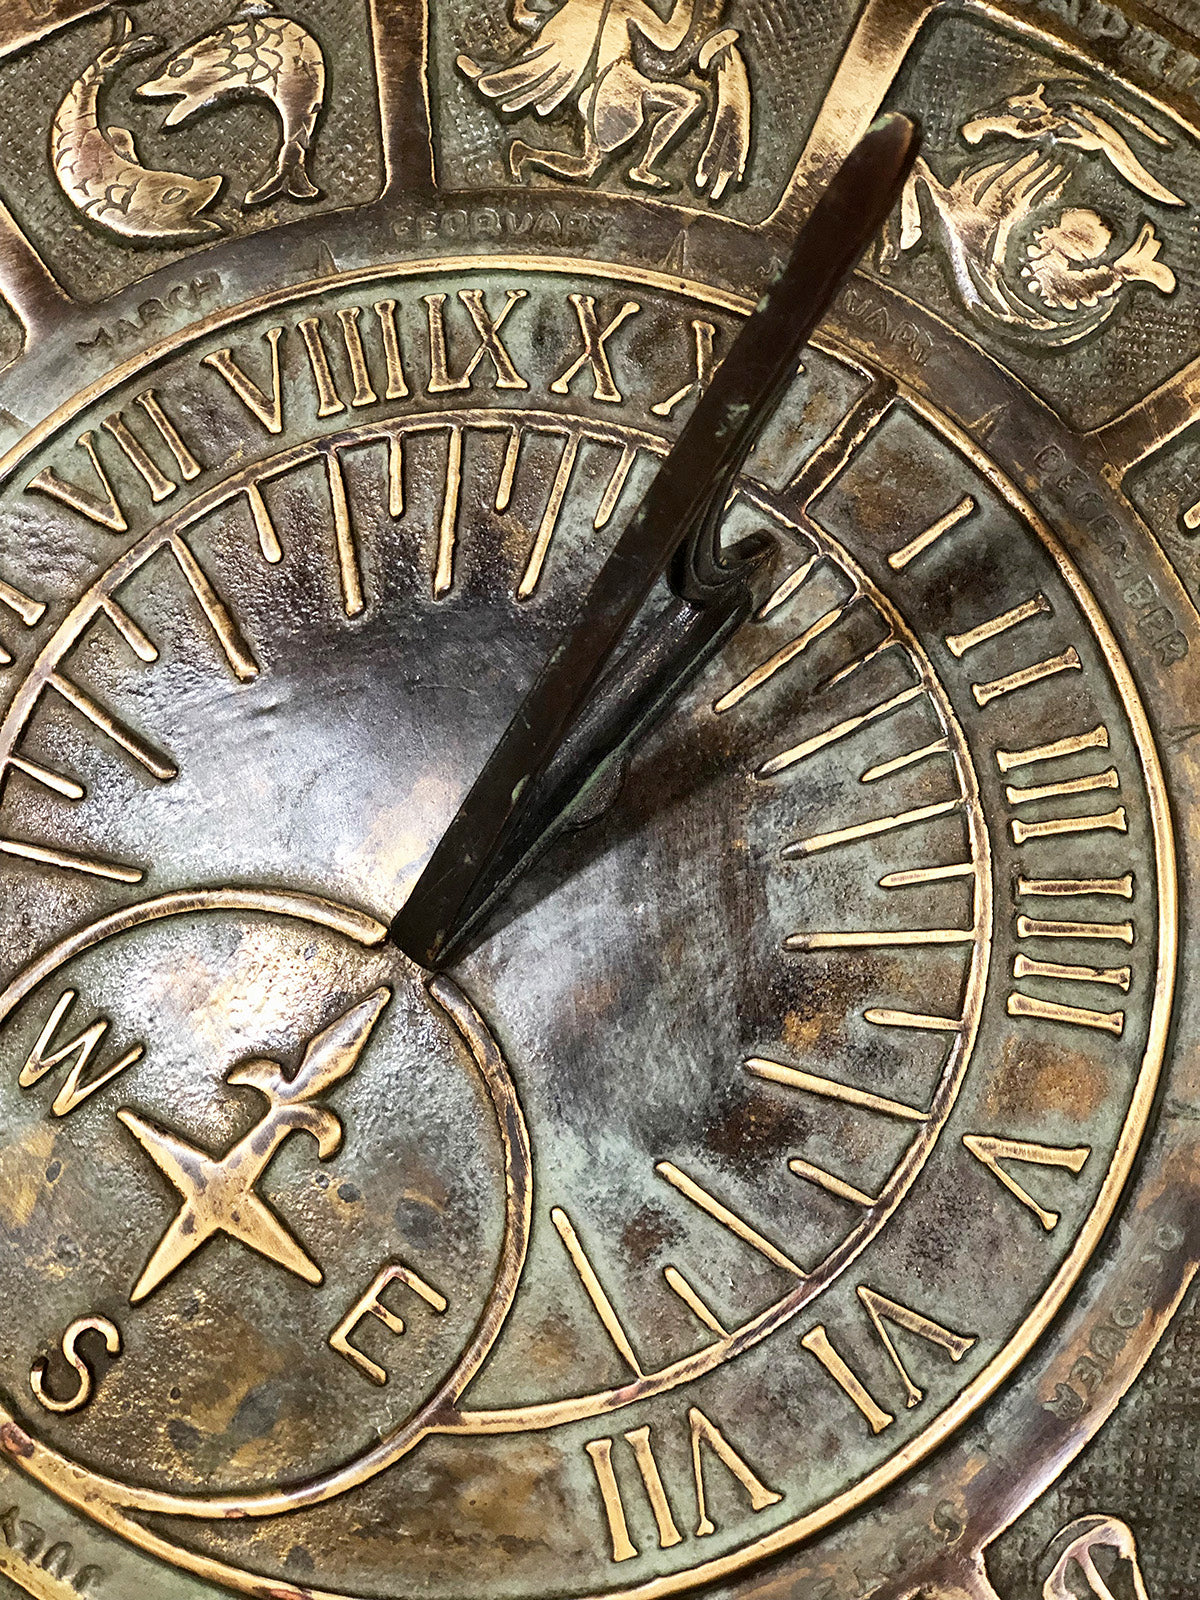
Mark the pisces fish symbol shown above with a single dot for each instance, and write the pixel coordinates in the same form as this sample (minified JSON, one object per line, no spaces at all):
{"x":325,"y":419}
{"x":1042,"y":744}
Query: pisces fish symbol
{"x":257,"y":54}
{"x":219,"y":1193}
{"x":99,"y":170}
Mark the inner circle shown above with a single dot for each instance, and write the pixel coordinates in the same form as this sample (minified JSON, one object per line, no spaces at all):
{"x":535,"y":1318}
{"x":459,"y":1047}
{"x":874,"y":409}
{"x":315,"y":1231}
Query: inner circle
{"x":315,"y":1172}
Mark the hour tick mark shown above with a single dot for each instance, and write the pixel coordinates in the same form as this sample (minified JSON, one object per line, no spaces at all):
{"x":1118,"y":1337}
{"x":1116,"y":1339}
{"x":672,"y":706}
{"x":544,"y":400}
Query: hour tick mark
{"x":443,"y":574}
{"x":834,"y":1186}
{"x":842,"y":730}
{"x":264,"y":527}
{"x":867,"y":830}
{"x":783,"y":657}
{"x":614,"y":487}
{"x":708,"y":1203}
{"x":595,"y":1290}
{"x":156,"y":764}
{"x":550,"y":516}
{"x":679,"y":1284}
{"x":91,"y":867}
{"x":899,"y":559}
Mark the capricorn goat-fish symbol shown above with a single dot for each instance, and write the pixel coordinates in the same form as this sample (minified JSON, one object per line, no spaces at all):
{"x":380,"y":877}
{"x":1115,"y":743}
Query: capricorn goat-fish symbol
{"x":1018,"y":262}
{"x":218,"y":1192}
{"x":584,"y":52}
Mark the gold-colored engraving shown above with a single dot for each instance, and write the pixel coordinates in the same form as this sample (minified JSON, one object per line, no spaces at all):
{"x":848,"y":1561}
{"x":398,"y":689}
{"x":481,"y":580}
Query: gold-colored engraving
{"x":1071,"y":972}
{"x":1023,"y":266}
{"x":704,"y":1431}
{"x":188,"y":466}
{"x":69,"y":861}
{"x":508,"y":472}
{"x":1069,"y":887}
{"x":595,"y":348}
{"x":219,"y":1194}
{"x":99,"y":169}
{"x":899,"y":559}
{"x":595,"y":1290}
{"x":160,"y":486}
{"x":364,"y":394}
{"x":589,"y":56}
{"x":1040,"y":928}
{"x":1025,"y":677}
{"x":1030,"y":793}
{"x":701,"y":1431}
{"x":85,"y":1385}
{"x":397,"y":387}
{"x":615,"y":487}
{"x":46,"y":1567}
{"x":816,"y":1341}
{"x":22,"y":606}
{"x":104,"y":510}
{"x":488,"y":329}
{"x":554,"y":504}
{"x":822,"y":467}
{"x":443,"y":572}
{"x":371,"y":1305}
{"x":783,"y":657}
{"x":888,"y":1017}
{"x":959,"y":643}
{"x":343,"y":536}
{"x":909,"y":878}
{"x":831,"y":1184}
{"x":1095,"y":739}
{"x":329,"y":401}
{"x":155,"y":763}
{"x":1084,"y":1538}
{"x":867,"y":830}
{"x":233,"y":646}
{"x":261,"y":54}
{"x":267,"y":408}
{"x":871,"y":939}
{"x":264,"y":524}
{"x":794,"y":1078}
{"x":57,"y":782}
{"x":880,"y":1309}
{"x":719,"y":1212}
{"x":703,"y":334}
{"x":1116,"y":821}
{"x":703,"y":1313}
{"x":44,"y":1057}
{"x":992,"y":1151}
{"x":842,"y":730}
{"x":885,"y":769}
{"x":1023,"y":1005}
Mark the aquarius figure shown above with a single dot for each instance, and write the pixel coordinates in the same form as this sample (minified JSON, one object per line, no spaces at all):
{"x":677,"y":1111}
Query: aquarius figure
{"x":585,"y":53}
{"x":219,"y":1193}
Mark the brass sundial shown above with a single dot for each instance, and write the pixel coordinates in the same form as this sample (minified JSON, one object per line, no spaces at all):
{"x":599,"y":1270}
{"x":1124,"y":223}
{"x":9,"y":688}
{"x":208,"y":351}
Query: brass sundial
{"x":758,"y":1156}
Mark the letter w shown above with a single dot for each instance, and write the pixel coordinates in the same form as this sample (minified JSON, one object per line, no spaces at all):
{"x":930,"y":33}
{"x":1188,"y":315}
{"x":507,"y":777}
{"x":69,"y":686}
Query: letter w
{"x":83,"y":1047}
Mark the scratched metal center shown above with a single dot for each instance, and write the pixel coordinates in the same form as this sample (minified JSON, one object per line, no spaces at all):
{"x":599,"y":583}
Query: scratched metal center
{"x":799,"y":1166}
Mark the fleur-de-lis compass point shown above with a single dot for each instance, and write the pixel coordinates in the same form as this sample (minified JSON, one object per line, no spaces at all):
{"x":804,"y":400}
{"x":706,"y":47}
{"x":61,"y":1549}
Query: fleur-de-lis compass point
{"x":219,"y":1193}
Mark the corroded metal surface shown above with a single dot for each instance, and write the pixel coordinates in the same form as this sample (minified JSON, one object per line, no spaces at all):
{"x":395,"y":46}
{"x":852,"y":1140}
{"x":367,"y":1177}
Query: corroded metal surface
{"x":801,"y":1172}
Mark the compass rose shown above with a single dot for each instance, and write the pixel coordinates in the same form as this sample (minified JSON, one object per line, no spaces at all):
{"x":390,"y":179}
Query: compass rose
{"x":219,"y":1194}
